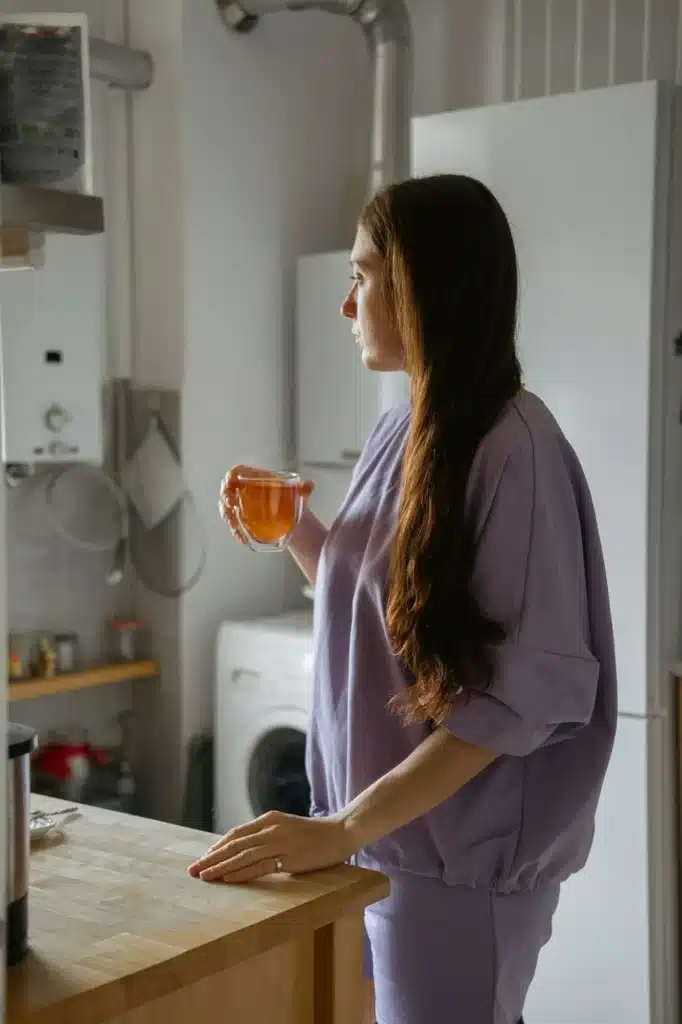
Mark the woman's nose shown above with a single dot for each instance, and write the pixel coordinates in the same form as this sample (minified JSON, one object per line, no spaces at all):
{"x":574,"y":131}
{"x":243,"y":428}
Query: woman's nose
{"x":349,"y":308}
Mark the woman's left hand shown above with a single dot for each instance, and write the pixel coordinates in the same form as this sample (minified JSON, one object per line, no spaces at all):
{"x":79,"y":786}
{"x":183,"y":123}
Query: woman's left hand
{"x":295,"y":844}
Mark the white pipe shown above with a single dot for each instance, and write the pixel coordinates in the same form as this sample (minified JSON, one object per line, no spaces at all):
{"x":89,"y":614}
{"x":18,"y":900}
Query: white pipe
{"x":121,"y":67}
{"x":391,"y":96}
{"x":386,"y":26}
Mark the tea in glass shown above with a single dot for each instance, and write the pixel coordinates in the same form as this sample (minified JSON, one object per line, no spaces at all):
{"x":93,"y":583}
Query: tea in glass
{"x":268,"y":508}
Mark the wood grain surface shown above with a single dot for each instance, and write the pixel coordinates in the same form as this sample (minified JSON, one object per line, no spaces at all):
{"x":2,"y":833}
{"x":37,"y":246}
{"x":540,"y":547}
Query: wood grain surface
{"x":116,"y":925}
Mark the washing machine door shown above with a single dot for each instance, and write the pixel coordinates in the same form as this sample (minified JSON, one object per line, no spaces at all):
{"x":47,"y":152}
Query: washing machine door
{"x":275,"y":771}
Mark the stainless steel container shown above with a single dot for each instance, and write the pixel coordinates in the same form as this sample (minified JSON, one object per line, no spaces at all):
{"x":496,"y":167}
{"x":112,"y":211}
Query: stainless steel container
{"x":22,"y":741}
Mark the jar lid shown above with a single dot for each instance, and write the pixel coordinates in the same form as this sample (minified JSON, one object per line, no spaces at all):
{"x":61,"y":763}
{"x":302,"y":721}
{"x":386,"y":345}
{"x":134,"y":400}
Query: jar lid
{"x":21,"y":739}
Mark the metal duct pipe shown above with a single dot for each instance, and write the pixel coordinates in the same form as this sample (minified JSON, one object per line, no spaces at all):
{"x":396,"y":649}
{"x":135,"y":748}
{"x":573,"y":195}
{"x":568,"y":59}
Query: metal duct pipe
{"x":120,"y":66}
{"x":388,"y":37}
{"x":386,"y":25}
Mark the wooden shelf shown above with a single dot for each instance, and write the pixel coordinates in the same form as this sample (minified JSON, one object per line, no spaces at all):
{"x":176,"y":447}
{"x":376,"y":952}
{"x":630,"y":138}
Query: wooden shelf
{"x":99,"y":675}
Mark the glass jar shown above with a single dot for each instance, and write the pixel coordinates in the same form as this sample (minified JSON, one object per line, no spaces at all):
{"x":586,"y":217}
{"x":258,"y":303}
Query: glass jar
{"x":125,"y":635}
{"x":66,"y":652}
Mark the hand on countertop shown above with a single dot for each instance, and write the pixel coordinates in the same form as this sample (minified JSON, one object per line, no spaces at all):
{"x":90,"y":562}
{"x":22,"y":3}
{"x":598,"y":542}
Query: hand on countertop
{"x":275,"y":842}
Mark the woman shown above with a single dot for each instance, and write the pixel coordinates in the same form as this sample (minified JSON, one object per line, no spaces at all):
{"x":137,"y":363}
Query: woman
{"x":465,"y":688}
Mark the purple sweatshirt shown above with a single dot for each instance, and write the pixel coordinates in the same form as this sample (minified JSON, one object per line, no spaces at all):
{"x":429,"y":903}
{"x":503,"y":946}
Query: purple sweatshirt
{"x":551,"y":712}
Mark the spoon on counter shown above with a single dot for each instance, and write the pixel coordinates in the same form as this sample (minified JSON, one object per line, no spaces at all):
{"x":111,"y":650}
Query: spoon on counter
{"x":42,"y":822}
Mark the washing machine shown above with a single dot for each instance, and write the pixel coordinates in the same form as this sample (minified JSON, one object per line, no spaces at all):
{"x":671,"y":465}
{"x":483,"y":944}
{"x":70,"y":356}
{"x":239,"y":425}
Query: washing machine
{"x":262,"y":703}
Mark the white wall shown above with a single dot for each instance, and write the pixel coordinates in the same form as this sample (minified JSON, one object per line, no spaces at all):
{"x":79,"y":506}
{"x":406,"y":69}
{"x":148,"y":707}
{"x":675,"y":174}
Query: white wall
{"x":274,"y":167}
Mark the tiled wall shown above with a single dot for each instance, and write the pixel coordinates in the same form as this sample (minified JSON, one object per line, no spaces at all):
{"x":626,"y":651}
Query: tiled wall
{"x":54,"y":586}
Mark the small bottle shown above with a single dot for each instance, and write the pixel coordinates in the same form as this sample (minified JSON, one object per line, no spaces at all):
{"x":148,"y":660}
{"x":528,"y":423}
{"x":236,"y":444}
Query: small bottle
{"x":125,"y":638}
{"x":126,"y":789}
{"x":47,"y":659}
{"x":65,"y":646}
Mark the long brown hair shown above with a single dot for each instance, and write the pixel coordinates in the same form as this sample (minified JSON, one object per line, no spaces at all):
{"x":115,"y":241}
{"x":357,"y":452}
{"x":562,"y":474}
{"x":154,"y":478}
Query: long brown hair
{"x":452,"y":285}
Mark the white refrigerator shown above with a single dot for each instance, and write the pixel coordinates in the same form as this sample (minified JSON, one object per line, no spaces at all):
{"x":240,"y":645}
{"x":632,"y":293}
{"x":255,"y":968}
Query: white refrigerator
{"x":592,"y":184}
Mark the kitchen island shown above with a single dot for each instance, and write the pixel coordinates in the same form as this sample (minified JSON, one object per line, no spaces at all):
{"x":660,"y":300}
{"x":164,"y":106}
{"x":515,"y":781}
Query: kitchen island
{"x":120,"y":933}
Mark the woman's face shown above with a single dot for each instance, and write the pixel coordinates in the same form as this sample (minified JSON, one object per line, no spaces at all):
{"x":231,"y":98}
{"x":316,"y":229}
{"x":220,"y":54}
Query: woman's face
{"x":367,"y":307}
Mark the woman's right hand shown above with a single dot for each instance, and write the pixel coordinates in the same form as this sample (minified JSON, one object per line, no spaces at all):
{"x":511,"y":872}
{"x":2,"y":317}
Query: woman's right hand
{"x":229,"y":497}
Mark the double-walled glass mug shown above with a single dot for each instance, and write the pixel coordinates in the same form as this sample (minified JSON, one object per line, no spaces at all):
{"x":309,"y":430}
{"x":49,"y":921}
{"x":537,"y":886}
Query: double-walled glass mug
{"x":268,"y":508}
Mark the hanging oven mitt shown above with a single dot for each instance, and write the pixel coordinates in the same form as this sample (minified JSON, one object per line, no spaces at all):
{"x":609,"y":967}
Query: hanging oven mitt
{"x":152,"y":478}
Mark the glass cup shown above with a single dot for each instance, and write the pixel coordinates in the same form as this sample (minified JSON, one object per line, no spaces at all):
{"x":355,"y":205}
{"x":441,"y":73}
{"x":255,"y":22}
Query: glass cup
{"x":268,"y":508}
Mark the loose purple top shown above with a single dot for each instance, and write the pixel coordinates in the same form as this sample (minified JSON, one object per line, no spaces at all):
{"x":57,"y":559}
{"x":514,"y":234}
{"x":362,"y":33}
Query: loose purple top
{"x":551,"y":713}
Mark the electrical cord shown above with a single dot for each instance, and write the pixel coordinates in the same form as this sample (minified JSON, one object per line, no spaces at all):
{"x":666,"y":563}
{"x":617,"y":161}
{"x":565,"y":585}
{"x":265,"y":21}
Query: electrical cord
{"x":173,"y":592}
{"x":58,"y":526}
{"x":122,"y":542}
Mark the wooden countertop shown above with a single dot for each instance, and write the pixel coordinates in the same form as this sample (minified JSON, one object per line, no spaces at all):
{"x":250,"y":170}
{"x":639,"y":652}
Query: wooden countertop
{"x":115,"y":921}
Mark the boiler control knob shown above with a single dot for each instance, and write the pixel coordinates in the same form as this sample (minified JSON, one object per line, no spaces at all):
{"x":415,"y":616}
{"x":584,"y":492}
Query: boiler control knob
{"x":58,"y":449}
{"x":56,"y":418}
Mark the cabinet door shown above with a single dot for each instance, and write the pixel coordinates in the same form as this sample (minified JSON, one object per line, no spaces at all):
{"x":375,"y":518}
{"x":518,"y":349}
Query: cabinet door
{"x":331,"y":488}
{"x":326,"y":362}
{"x":377,"y":393}
{"x":564,"y":169}
{"x":368,"y":405}
{"x":595,"y":969}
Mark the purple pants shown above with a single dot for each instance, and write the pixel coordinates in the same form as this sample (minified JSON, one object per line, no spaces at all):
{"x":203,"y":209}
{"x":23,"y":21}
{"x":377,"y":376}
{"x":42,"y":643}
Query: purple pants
{"x":452,"y":954}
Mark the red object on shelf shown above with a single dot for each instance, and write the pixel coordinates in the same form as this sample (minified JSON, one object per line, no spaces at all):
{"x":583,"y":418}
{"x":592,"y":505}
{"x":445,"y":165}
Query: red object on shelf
{"x":55,"y":758}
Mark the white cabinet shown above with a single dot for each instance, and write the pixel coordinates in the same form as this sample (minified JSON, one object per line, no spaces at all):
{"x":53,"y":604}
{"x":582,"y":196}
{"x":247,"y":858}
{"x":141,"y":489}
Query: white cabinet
{"x":586,"y":303}
{"x":368,"y":398}
{"x":338,"y":400}
{"x":595,"y":969}
{"x":327,"y":363}
{"x":331,"y":486}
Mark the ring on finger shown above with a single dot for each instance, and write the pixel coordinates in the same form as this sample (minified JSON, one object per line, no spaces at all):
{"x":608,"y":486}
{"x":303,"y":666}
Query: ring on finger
{"x":278,"y":866}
